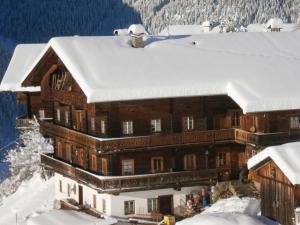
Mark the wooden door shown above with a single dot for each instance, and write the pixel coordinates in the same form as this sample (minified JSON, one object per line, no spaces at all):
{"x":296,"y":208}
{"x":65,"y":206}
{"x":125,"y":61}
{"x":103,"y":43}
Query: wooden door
{"x":80,"y":193}
{"x":165,"y":204}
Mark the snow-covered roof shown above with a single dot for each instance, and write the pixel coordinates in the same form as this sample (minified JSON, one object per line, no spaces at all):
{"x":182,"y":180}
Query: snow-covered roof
{"x":182,"y":30}
{"x":62,"y":217}
{"x":259,"y":71}
{"x":286,"y":27}
{"x":137,"y":29}
{"x":274,"y":23}
{"x":22,"y":59}
{"x":286,"y":157}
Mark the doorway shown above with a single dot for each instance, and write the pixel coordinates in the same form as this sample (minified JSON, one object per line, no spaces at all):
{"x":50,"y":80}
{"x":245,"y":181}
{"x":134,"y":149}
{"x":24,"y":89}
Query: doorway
{"x":165,"y":204}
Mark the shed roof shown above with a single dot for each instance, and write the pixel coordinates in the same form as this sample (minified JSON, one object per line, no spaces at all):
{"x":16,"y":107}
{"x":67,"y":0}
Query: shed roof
{"x":286,"y":157}
{"x":21,"y":61}
{"x":259,"y":71}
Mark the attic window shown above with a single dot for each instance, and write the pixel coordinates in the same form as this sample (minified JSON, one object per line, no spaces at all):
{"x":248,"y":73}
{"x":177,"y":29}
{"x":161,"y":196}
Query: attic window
{"x":58,"y":79}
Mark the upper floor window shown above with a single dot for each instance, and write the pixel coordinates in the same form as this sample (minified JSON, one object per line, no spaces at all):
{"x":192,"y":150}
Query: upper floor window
{"x":58,"y":114}
{"x":93,"y":125}
{"x":59,"y":149}
{"x":155,"y":125}
{"x":235,"y":119}
{"x":67,"y":117}
{"x":188,"y":123}
{"x":157,"y":164}
{"x":80,"y":118}
{"x":102,"y":127}
{"x":104,"y":166}
{"x":42,"y":114}
{"x":222,"y":159}
{"x":128,"y":127}
{"x":190,"y":162}
{"x":294,"y":122}
{"x":68,"y":152}
{"x":94,"y":162}
{"x":128,"y":167}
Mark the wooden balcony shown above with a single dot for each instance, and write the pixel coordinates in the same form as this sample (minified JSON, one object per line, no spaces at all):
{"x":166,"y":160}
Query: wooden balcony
{"x":116,"y":184}
{"x":110,"y":144}
{"x":195,"y":137}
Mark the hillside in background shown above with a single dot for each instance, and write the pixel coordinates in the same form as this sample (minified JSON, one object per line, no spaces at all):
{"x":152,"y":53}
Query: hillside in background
{"x":31,"y":21}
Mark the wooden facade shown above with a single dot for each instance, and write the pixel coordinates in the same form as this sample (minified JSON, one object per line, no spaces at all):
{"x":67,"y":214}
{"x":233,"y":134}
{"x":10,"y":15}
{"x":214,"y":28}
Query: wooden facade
{"x":199,"y":140}
{"x":279,"y":196}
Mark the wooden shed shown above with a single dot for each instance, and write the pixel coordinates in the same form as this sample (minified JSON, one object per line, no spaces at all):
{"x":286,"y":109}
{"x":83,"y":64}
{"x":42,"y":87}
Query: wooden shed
{"x":277,"y":169}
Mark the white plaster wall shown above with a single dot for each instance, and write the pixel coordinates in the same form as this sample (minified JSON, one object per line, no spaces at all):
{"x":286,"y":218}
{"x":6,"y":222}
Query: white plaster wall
{"x":115,"y":203}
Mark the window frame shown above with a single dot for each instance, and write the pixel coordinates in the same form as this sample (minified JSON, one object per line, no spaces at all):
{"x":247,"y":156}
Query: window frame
{"x":131,"y":207}
{"x":123,"y":161}
{"x":222,"y":161}
{"x":188,"y":123}
{"x":102,"y":127}
{"x":190,"y":162}
{"x":58,"y":115}
{"x":155,"y":125}
{"x":127,"y":127}
{"x":59,"y":149}
{"x":153,"y":166}
{"x":153,"y":203}
{"x":294,"y":122}
{"x":94,"y":162}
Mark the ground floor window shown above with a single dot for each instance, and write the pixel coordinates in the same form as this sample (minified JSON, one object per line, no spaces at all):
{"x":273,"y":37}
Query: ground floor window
{"x":103,"y":206}
{"x":60,"y":186}
{"x":94,"y":201}
{"x":157,"y":164}
{"x":152,"y":205}
{"x":129,"y":207}
{"x":222,"y":159}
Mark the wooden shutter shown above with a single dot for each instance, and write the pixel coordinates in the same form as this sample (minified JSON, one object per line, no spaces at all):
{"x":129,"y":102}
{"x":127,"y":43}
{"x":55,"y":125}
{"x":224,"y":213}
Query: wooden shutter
{"x":201,"y":124}
{"x":228,"y":161}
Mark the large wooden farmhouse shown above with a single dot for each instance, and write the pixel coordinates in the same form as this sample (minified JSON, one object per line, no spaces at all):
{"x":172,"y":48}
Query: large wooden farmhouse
{"x":141,"y":124}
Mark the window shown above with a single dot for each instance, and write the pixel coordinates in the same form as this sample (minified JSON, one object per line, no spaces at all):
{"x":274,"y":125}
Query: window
{"x":129,"y":207}
{"x":294,"y":122}
{"x":93,"y":127}
{"x":79,"y":119}
{"x":155,"y":125}
{"x":103,"y":206}
{"x":127,"y":127}
{"x":59,"y":149}
{"x":190,"y":162}
{"x":188,"y":123}
{"x":102,"y":127}
{"x":157,"y":164}
{"x":235,"y":119}
{"x":67,"y":118}
{"x":152,"y":205}
{"x":128,"y":167}
{"x":94,"y":201}
{"x":68,"y":152}
{"x":42,"y":114}
{"x":69,"y":190}
{"x":104,"y":166}
{"x":94,"y":162}
{"x":60,"y":186}
{"x":222,"y":159}
{"x":58,"y":114}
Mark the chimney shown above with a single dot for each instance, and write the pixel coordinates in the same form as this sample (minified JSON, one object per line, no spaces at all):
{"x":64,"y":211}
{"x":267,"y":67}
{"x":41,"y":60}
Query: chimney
{"x":137,"y":33}
{"x":137,"y":41}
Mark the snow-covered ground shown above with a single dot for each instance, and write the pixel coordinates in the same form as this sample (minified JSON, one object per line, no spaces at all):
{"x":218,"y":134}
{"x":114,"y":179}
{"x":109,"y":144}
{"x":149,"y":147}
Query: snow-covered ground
{"x":231,"y":211}
{"x":33,"y":197}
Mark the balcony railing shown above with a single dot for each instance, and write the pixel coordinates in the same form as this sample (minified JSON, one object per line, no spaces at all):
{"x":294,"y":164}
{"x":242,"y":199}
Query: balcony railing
{"x":193,"y":137}
{"x":135,"y":182}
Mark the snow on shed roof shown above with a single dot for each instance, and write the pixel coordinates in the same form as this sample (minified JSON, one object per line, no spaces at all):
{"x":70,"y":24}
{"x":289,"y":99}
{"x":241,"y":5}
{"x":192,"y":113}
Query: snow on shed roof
{"x":286,"y":157}
{"x":183,"y":30}
{"x":260,"y":71}
{"x":21,"y":61}
{"x":286,"y":27}
{"x":62,"y":217}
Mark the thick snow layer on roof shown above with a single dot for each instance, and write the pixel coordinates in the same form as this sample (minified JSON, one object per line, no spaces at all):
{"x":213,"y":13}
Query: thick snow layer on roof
{"x":221,"y":218}
{"x":286,"y":157}
{"x":182,"y":30}
{"x":23,"y":57}
{"x":62,"y":217}
{"x":286,"y":27}
{"x":260,"y":71}
{"x":274,"y":23}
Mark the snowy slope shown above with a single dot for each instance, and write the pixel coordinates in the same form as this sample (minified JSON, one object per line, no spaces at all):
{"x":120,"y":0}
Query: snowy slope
{"x":33,"y":196}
